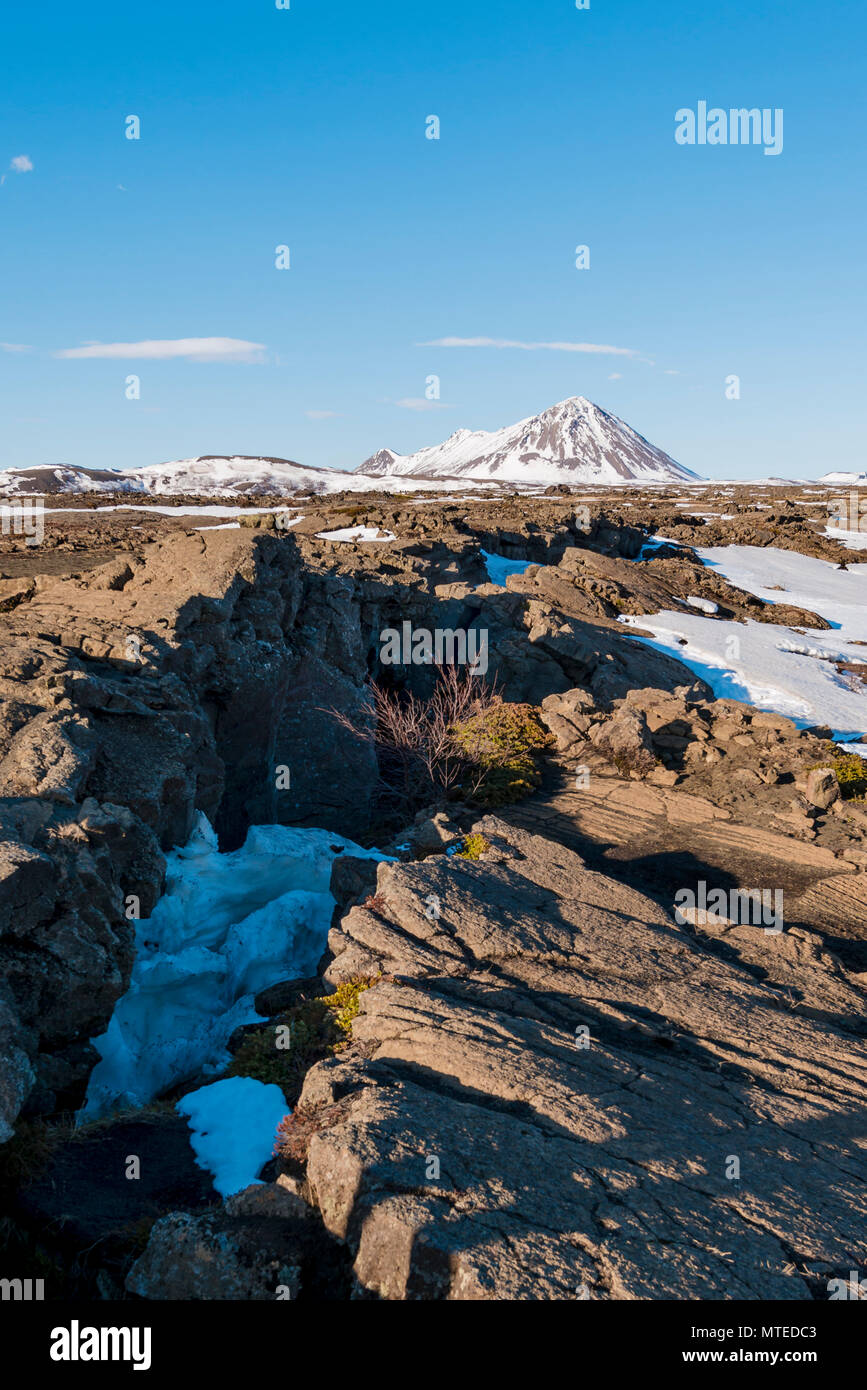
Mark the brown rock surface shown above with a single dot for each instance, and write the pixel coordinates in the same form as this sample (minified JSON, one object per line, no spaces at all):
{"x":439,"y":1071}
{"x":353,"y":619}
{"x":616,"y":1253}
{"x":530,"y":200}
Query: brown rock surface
{"x":560,"y":1165}
{"x":148,"y":676}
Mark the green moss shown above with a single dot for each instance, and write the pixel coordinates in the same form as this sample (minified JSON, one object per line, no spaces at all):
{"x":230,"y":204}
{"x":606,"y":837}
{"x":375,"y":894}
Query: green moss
{"x":284,"y":1051}
{"x":503,"y":742}
{"x":344,"y":1002}
{"x":850,"y":770}
{"x":474,"y":847}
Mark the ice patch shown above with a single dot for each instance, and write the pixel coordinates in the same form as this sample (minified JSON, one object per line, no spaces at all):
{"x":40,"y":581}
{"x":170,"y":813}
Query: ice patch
{"x":703,"y":603}
{"x":227,"y":926}
{"x":233,"y":1124}
{"x":499,"y":568}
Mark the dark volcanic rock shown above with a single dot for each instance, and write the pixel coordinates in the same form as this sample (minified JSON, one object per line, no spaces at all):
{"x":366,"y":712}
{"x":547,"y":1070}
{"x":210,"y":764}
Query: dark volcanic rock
{"x":265,"y":1243}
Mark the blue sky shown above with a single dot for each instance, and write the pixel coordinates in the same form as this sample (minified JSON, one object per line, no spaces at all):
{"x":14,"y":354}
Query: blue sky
{"x":306,"y":127}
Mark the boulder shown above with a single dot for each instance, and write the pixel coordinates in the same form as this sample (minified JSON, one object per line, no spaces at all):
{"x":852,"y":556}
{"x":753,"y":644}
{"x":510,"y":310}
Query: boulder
{"x":822,"y":788}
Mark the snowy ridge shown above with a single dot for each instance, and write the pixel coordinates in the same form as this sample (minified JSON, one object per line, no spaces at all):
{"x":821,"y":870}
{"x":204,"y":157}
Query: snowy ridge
{"x":574,"y":441}
{"x":205,"y":476}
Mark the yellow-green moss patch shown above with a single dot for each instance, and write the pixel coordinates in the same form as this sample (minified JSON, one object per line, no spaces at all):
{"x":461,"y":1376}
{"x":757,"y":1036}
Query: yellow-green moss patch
{"x":344,"y":1002}
{"x":850,"y":770}
{"x":474,"y":847}
{"x":504,"y":742}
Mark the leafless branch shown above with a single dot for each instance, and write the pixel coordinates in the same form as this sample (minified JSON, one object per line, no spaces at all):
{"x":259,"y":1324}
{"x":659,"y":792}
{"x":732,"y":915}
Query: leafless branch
{"x":419,"y":758}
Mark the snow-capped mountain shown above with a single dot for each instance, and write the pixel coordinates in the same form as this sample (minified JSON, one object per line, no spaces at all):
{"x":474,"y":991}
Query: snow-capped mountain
{"x":572,"y":442}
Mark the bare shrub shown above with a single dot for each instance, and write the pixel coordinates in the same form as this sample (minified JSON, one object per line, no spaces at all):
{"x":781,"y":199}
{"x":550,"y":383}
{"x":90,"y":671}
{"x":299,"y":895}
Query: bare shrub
{"x":375,"y":902}
{"x":420,"y":758}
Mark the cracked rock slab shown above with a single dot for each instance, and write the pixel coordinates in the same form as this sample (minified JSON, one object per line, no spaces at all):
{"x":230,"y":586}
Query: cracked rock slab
{"x":555,"y":1091}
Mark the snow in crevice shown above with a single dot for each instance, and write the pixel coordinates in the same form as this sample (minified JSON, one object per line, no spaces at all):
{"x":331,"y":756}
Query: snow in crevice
{"x":226,"y":927}
{"x":654,"y":543}
{"x":499,"y":567}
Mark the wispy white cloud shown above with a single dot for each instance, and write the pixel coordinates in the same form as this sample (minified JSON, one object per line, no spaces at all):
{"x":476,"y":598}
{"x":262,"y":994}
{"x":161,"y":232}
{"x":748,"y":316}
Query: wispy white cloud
{"x":615,"y":376}
{"x":21,"y":164}
{"x":15,"y":347}
{"x":164,"y":349}
{"x":321,"y":414}
{"x":670,"y":372}
{"x":421,"y":403}
{"x":530,"y":347}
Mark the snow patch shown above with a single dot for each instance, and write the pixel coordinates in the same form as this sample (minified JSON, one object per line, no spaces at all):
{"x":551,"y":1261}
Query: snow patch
{"x":851,"y":479}
{"x":767,"y":664}
{"x":357,"y":533}
{"x":852,"y":540}
{"x":233,"y":1125}
{"x":786,"y":576}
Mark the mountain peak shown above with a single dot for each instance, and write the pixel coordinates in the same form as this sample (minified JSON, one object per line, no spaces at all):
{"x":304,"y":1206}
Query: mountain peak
{"x":573,"y":441}
{"x":569,"y":402}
